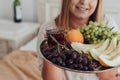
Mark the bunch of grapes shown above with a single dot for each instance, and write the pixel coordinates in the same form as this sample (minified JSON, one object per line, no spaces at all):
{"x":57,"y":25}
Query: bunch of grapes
{"x":71,"y":59}
{"x":95,"y":32}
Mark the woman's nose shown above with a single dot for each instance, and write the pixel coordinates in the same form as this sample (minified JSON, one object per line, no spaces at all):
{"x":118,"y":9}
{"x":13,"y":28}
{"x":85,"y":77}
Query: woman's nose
{"x":84,"y":1}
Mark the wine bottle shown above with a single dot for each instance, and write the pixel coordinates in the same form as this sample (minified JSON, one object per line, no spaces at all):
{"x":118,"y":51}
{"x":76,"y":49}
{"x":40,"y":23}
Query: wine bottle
{"x":17,"y":11}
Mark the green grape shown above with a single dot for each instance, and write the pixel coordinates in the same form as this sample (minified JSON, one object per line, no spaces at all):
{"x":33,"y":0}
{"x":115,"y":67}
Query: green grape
{"x":91,"y":22}
{"x":95,"y":39}
{"x":87,"y":33}
{"x":105,"y":32}
{"x":96,"y":28}
{"x":99,"y":30}
{"x":89,"y":26}
{"x":102,"y":24}
{"x":95,"y":32}
{"x":88,"y":36}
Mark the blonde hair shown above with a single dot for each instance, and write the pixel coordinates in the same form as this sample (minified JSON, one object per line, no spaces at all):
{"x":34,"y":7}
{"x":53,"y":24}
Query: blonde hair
{"x":63,"y":18}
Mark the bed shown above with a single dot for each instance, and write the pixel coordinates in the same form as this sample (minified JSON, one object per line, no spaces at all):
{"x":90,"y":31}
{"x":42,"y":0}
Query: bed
{"x":31,"y":45}
{"x":21,"y":64}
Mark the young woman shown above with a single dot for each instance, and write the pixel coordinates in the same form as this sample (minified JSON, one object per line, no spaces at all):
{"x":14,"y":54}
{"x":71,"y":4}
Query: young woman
{"x":75,"y":13}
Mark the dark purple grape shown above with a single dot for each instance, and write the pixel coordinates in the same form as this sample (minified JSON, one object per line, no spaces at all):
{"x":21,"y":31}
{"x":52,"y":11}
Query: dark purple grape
{"x":47,"y":54}
{"x":75,"y":66}
{"x":44,"y":50}
{"x":85,"y":68}
{"x":54,"y":60}
{"x":96,"y":64}
{"x":62,"y":56}
{"x":63,"y":64}
{"x":84,"y":61}
{"x":89,"y":61}
{"x":84,"y":55}
{"x":70,"y":61}
{"x":91,"y":67}
{"x":63,"y":49}
{"x":79,"y":59}
{"x":55,"y":55}
{"x":49,"y":57}
{"x":80,"y":66}
{"x":71,"y":66}
{"x":59,"y":60}
{"x":74,"y":55}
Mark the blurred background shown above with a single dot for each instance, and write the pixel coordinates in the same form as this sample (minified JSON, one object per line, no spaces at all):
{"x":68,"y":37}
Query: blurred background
{"x":42,"y":10}
{"x":23,"y":35}
{"x":29,"y":10}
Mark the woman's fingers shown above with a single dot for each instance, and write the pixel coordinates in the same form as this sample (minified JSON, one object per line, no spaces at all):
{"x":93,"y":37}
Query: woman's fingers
{"x":108,"y":75}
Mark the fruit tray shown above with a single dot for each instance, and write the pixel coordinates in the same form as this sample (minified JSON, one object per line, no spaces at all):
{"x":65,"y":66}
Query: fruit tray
{"x":64,"y":61}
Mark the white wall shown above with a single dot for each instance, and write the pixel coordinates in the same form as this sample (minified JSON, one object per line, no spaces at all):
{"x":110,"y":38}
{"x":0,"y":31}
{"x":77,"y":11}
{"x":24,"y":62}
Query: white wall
{"x":48,"y":10}
{"x":112,"y":8}
{"x":29,"y":10}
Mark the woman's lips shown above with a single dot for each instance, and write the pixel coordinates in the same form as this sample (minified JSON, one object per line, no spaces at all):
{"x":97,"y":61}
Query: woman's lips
{"x":81,"y":8}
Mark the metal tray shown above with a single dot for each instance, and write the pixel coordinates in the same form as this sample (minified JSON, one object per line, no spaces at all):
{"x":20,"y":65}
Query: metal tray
{"x":97,"y":70}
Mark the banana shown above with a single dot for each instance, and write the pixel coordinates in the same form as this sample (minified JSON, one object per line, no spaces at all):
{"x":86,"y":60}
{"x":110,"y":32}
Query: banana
{"x":104,"y":45}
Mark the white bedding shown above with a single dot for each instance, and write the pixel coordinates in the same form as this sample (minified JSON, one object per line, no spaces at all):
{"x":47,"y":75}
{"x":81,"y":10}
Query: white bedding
{"x":31,"y":45}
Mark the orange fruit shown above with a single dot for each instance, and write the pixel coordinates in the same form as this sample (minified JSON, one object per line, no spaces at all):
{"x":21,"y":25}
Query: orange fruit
{"x":74,"y":36}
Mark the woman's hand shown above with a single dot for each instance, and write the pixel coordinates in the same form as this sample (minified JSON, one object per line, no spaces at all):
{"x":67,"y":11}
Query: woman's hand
{"x":51,"y":72}
{"x":108,"y":75}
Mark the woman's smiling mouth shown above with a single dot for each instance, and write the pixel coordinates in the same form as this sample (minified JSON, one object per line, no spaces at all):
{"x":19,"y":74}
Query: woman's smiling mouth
{"x":81,"y":8}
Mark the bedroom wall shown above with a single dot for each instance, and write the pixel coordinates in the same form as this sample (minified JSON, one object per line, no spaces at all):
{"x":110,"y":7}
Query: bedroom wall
{"x":112,"y":8}
{"x":29,"y":10}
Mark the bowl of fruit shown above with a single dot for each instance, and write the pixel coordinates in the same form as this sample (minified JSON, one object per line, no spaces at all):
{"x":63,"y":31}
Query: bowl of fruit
{"x":80,"y":50}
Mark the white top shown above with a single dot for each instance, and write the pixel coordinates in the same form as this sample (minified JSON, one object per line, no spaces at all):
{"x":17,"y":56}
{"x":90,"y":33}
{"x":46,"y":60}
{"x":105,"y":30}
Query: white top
{"x":68,"y":74}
